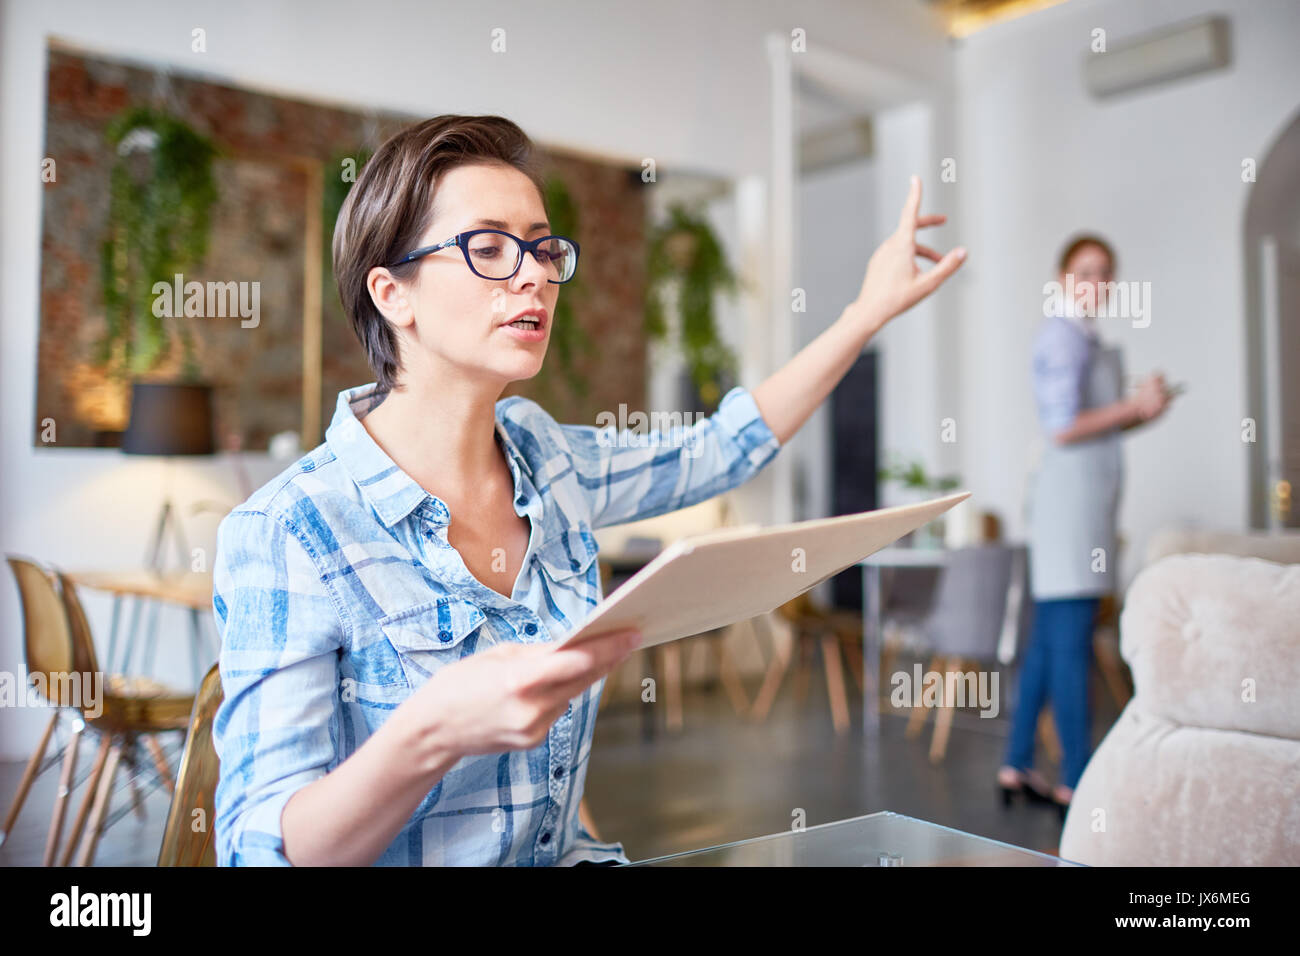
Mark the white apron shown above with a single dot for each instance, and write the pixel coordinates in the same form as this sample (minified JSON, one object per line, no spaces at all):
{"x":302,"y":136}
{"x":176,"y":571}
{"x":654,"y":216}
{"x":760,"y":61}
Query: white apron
{"x":1074,"y":498}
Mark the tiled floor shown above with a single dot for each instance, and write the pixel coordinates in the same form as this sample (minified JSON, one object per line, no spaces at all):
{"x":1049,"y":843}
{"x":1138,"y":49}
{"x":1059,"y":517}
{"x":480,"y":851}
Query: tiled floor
{"x":719,"y":779}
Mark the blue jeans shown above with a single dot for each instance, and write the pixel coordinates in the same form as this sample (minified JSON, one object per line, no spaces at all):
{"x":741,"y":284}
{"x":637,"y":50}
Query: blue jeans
{"x":1055,"y":668}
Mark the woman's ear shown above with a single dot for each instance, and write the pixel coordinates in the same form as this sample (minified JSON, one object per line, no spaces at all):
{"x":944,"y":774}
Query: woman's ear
{"x":389,"y":296}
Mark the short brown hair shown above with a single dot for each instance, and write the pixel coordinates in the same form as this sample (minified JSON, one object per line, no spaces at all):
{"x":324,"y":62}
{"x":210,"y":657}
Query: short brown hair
{"x":392,"y":203}
{"x":1078,"y":242}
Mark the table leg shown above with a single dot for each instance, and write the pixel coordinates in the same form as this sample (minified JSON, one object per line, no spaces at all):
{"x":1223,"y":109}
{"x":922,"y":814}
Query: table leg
{"x":151,"y":642}
{"x":196,"y":638}
{"x":112,"y":632}
{"x":125,"y":666}
{"x":871,"y":625}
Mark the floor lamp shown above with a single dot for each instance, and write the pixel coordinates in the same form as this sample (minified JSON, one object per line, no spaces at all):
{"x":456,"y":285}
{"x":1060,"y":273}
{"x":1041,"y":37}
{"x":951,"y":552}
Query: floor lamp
{"x":169,"y":419}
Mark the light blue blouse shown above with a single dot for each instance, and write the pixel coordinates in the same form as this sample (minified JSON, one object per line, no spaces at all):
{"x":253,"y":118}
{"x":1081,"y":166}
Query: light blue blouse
{"x":337,"y":595}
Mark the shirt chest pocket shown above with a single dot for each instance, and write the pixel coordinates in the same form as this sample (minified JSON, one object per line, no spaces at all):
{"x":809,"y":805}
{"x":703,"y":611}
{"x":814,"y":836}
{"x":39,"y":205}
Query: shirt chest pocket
{"x":569,"y":557}
{"x":429,"y":636}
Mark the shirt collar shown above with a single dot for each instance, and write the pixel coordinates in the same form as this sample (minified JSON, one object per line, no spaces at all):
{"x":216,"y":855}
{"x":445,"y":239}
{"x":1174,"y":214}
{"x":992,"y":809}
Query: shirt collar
{"x":390,"y":491}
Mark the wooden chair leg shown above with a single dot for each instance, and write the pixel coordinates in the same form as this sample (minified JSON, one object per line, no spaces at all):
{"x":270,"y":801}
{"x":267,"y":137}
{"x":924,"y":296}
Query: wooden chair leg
{"x":835,"y":682}
{"x":29,"y":774}
{"x":800,"y":668}
{"x":61,"y":799}
{"x":1113,"y":675}
{"x":920,"y":714}
{"x":731,"y":681}
{"x":102,"y":795}
{"x":943,"y":718}
{"x":672,"y":661}
{"x":853,"y":656}
{"x":92,"y":784}
{"x":160,"y":762}
{"x":782,"y":652}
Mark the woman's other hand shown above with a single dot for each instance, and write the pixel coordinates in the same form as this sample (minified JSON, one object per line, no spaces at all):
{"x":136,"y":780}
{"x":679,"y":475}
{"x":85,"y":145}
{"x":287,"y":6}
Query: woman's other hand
{"x":893,"y":283}
{"x":507,"y":697}
{"x":1152,"y":397}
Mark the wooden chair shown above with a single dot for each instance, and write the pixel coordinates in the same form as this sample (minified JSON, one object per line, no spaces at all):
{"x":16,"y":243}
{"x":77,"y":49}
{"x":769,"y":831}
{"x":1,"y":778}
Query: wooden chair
{"x":811,"y":627}
{"x":48,"y":651}
{"x":668,"y":660}
{"x":188,"y":836}
{"x":981,"y":596}
{"x":134,"y":710}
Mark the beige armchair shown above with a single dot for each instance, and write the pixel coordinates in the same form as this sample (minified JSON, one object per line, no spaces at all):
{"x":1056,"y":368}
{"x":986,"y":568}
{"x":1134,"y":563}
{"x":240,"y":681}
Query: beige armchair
{"x":1202,"y":768}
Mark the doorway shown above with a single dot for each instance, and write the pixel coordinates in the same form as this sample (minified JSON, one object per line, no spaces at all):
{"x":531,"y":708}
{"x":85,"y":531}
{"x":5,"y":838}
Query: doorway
{"x":1271,"y":427}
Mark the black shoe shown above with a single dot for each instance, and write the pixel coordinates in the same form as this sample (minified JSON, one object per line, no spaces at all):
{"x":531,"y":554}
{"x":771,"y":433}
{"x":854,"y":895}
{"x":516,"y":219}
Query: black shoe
{"x":1025,"y":789}
{"x":1062,"y":807}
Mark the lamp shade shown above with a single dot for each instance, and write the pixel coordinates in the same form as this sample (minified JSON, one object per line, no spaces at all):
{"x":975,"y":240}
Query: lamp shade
{"x":169,"y":419}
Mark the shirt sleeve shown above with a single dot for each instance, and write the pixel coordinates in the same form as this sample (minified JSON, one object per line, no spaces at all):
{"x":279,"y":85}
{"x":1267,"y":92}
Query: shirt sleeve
{"x":1059,"y":367}
{"x":628,"y":475}
{"x":277,"y":727}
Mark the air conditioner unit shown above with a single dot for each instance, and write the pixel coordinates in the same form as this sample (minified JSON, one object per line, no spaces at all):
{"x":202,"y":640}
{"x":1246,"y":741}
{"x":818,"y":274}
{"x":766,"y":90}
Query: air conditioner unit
{"x":1184,"y":50}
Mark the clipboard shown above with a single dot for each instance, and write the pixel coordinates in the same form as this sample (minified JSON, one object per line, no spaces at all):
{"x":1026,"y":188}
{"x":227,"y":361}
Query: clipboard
{"x":707,"y":581}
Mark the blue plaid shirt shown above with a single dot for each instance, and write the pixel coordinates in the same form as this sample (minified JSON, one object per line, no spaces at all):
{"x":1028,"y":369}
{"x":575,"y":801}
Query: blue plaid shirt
{"x":337,"y":594}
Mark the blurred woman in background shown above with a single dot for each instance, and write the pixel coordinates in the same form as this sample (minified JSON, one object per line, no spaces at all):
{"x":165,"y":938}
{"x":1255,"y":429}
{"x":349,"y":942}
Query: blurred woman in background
{"x":1074,"y":498}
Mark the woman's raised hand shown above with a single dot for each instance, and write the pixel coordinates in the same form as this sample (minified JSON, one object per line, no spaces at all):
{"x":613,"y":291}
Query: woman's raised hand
{"x":893,"y":283}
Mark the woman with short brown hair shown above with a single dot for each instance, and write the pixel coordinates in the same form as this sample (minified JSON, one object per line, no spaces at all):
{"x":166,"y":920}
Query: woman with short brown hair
{"x":389,"y":604}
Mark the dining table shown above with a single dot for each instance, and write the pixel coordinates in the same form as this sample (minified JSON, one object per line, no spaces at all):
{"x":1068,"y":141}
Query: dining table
{"x":141,"y":587}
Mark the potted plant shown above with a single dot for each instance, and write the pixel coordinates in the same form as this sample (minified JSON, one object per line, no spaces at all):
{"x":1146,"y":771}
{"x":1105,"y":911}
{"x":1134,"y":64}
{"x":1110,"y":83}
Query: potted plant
{"x":161,"y":193}
{"x":686,"y":262}
{"x":919,"y":484}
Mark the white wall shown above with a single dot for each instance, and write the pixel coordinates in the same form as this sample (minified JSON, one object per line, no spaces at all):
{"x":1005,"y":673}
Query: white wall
{"x":839,"y":230}
{"x":682,"y":82}
{"x":1159,"y":173}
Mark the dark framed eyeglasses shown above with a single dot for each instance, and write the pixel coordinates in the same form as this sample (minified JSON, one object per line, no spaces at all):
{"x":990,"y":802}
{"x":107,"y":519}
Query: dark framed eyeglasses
{"x":493,"y":254}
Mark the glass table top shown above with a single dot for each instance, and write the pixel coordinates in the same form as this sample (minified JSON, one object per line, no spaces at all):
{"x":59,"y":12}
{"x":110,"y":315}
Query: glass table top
{"x":877,"y":839}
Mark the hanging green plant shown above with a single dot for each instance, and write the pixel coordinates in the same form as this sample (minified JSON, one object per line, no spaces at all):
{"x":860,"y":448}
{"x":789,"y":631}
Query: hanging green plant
{"x":340,"y":175}
{"x":684,"y":254}
{"x":161,"y":193}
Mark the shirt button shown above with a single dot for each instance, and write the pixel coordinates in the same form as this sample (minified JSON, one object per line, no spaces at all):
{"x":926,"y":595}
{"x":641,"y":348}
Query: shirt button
{"x":530,"y":628}
{"x":559,"y":772}
{"x":573,"y":563}
{"x":444,"y":636}
{"x":546,"y":838}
